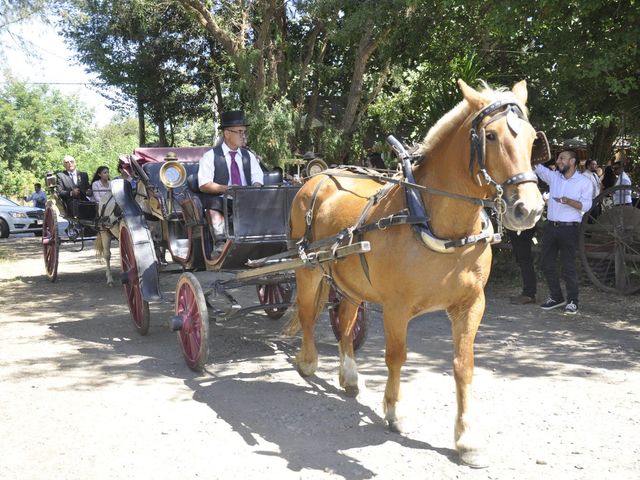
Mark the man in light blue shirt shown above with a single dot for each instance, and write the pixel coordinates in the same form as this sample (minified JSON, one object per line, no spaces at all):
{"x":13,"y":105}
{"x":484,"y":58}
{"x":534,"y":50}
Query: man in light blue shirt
{"x":570,"y":196}
{"x":38,"y":197}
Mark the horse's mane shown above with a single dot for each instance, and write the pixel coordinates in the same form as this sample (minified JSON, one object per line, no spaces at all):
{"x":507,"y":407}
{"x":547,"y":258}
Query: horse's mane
{"x":459,"y":113}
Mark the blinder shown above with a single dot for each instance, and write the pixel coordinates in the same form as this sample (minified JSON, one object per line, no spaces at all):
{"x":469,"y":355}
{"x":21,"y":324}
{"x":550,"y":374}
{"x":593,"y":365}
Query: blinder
{"x":540,"y":151}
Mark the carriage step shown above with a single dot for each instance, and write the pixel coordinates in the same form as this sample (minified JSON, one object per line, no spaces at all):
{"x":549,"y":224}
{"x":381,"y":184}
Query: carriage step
{"x":312,"y":259}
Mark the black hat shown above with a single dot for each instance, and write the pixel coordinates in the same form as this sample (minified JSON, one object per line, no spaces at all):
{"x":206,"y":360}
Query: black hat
{"x":233,"y":118}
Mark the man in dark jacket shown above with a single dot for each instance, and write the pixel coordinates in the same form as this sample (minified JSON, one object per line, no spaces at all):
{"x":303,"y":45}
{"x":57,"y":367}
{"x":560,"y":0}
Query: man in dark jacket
{"x":72,"y":186}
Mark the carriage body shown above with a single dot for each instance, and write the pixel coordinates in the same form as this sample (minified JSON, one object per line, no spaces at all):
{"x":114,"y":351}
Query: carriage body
{"x":257,"y":230}
{"x":257,"y":226}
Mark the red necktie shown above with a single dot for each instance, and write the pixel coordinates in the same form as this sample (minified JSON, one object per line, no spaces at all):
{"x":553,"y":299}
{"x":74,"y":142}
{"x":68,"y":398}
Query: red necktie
{"x":236,"y":179}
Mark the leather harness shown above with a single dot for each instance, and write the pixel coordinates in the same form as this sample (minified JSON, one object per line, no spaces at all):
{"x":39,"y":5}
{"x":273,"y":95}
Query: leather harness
{"x":415,"y":213}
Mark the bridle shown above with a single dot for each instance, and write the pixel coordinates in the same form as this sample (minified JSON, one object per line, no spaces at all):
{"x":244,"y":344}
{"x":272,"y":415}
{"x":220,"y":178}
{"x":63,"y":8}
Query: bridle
{"x":512,"y":111}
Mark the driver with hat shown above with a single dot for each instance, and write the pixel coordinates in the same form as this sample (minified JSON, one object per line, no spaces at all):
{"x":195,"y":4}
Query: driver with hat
{"x":225,"y":165}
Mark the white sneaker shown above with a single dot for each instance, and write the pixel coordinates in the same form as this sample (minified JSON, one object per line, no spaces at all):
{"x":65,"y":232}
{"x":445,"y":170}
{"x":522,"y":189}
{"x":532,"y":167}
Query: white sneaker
{"x":571,"y":308}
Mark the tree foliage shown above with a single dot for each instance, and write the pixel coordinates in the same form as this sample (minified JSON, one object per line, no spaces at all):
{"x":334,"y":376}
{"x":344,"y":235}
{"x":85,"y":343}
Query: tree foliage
{"x":39,"y":125}
{"x":337,"y":76}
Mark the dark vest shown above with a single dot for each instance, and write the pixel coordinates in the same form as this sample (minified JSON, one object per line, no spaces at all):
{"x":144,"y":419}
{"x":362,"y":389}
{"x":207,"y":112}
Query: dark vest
{"x":221,"y":172}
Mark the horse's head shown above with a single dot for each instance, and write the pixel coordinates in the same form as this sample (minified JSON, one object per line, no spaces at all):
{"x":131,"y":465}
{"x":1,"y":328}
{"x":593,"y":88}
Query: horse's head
{"x":501,"y":145}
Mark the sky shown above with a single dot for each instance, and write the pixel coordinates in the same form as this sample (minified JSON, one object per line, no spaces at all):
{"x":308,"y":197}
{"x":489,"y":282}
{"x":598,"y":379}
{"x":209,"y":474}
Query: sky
{"x":48,"y":60}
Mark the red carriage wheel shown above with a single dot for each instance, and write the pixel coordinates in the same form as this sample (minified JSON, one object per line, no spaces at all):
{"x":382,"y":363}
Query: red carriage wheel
{"x":50,"y":243}
{"x":272,"y":294}
{"x":359,"y":332}
{"x":193,"y":319}
{"x":138,"y":307}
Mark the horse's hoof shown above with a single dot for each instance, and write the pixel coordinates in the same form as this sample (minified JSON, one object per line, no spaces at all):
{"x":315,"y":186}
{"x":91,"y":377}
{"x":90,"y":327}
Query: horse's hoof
{"x":473,"y":458}
{"x":306,"y":369}
{"x":351,"y":390}
{"x":396,"y":426}
{"x":110,"y":284}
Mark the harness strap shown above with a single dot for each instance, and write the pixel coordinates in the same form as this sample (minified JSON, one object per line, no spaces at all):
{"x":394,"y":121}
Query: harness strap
{"x":303,"y":243}
{"x":407,"y":184}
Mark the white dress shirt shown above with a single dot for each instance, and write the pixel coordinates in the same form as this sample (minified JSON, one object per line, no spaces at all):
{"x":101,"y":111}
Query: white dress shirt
{"x":595,"y":181}
{"x":577,"y":187}
{"x":206,"y":170}
{"x":623,"y":196}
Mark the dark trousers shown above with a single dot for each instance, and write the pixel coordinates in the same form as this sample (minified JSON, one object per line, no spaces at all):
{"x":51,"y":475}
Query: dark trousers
{"x":521,"y":245}
{"x":563,"y":240}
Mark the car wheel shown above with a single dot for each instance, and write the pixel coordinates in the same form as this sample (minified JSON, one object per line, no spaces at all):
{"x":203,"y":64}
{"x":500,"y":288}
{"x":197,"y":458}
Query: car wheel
{"x":4,"y":229}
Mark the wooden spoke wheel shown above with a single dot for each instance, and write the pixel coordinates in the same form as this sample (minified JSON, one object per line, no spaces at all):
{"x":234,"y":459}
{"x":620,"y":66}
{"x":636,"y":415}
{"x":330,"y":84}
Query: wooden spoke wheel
{"x":191,"y":309}
{"x":610,"y":241}
{"x":138,"y":307}
{"x":273,"y":294}
{"x":51,"y":243}
{"x":359,"y":332}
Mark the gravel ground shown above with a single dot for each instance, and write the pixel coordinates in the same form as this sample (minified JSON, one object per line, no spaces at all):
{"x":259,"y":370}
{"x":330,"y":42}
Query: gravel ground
{"x":82,"y":396}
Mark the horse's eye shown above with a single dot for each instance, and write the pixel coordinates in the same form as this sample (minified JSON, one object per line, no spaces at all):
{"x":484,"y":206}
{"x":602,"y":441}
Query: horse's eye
{"x":491,"y":136}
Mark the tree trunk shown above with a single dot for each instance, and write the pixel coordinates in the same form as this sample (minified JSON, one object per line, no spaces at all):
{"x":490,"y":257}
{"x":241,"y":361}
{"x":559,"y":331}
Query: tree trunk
{"x":142,"y":138}
{"x":366,"y":47}
{"x":162,"y":134}
{"x":602,"y":145}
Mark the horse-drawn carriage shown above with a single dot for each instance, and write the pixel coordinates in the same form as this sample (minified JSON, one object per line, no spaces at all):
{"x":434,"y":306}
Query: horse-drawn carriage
{"x":168,"y":206}
{"x":365,"y":235}
{"x":85,"y":218}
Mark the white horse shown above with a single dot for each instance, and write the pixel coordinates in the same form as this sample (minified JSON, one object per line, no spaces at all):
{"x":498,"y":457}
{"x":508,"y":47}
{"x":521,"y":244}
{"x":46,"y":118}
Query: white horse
{"x":108,"y":228}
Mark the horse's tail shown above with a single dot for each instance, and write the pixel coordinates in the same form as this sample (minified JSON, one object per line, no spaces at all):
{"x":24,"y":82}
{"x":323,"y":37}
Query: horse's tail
{"x":293,"y":325}
{"x":99,"y":247}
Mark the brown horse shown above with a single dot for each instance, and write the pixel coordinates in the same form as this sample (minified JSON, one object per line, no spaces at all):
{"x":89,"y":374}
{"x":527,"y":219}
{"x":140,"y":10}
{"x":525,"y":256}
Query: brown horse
{"x":400,"y":272}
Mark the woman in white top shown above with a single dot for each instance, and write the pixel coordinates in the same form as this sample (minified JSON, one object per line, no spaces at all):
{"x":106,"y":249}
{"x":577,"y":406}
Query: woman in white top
{"x":101,"y":183}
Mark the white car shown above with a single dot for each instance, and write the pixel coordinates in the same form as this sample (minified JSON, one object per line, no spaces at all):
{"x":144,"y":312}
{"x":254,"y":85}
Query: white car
{"x":15,"y":218}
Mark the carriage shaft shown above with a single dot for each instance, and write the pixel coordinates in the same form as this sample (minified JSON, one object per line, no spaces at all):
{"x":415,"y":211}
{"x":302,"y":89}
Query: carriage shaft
{"x":311,"y":260}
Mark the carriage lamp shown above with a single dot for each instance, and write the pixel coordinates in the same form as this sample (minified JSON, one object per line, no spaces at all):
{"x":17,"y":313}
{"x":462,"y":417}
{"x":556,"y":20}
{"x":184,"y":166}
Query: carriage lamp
{"x":172,"y":175}
{"x":50,"y":180}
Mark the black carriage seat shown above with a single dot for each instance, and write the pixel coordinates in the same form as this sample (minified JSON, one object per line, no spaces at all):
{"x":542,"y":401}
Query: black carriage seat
{"x":273,"y":178}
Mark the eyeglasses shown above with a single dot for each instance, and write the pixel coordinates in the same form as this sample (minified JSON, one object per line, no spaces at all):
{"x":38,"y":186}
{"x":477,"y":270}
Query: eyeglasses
{"x":242,"y":133}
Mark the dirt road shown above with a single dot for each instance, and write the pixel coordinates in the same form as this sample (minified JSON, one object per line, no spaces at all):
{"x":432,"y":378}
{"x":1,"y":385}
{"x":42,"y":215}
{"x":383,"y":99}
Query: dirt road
{"x":82,"y":396}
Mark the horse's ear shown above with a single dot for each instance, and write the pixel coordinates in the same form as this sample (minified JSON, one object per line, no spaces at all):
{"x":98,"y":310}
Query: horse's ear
{"x":520,"y":91}
{"x":472,"y":96}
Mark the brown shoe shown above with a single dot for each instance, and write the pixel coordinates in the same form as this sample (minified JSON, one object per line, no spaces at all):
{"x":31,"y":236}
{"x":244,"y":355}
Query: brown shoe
{"x":522,"y":300}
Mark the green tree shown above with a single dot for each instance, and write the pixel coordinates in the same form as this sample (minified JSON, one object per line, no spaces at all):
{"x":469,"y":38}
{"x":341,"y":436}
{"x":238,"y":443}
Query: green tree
{"x":146,"y":50}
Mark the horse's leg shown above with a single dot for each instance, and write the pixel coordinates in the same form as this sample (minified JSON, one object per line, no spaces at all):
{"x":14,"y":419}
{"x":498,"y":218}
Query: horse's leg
{"x":347,"y":313}
{"x":312,"y":293}
{"x":395,"y":333}
{"x":106,"y":253}
{"x":465,"y":320}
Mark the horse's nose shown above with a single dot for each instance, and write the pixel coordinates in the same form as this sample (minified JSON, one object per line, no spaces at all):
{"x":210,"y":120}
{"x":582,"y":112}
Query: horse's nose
{"x":520,"y":210}
{"x":522,"y":213}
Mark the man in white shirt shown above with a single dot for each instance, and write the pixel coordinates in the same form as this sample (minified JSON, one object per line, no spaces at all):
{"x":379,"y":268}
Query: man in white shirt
{"x":592,"y":176}
{"x":622,"y":196}
{"x":225,"y":165}
{"x":570,"y":195}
